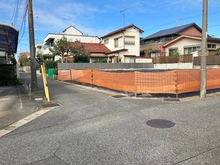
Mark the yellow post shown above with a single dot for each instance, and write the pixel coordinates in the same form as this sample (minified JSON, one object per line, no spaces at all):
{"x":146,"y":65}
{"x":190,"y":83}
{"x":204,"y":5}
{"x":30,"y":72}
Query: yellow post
{"x":46,"y":89}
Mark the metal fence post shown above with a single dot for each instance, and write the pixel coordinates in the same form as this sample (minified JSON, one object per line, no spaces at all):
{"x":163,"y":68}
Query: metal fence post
{"x":176,"y":82}
{"x":92,"y":77}
{"x":135,"y":84}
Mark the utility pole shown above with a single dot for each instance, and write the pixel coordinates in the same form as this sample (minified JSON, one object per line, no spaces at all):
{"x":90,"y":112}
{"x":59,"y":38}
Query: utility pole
{"x":32,"y":46}
{"x":204,"y":50}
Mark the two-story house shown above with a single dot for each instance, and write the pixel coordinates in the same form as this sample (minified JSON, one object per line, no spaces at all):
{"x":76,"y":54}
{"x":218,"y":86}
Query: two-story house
{"x":124,"y":44}
{"x":71,"y":33}
{"x":185,"y":39}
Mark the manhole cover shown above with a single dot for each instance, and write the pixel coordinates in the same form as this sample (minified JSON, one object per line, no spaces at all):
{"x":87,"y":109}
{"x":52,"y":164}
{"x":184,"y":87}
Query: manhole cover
{"x":50,"y":105}
{"x":118,"y":96}
{"x":160,"y":123}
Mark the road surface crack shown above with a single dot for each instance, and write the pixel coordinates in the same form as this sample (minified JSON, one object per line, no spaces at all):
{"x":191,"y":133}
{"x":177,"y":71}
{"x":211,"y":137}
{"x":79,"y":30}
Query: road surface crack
{"x":194,"y":156}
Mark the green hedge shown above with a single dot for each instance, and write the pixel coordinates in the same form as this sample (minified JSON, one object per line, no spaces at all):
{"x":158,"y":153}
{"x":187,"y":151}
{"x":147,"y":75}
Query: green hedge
{"x":55,"y":71}
{"x":8,"y":76}
{"x":50,"y":64}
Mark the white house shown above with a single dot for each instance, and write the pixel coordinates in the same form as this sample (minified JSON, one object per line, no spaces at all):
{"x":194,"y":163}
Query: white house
{"x":71,"y":33}
{"x":191,"y":45}
{"x":124,"y":44}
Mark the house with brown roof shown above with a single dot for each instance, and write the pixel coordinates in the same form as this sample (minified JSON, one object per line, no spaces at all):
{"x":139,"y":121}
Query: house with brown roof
{"x":98,"y":51}
{"x":124,"y":44}
{"x":185,"y":39}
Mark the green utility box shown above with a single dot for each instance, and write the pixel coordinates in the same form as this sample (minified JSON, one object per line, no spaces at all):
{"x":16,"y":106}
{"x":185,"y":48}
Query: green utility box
{"x":50,"y":72}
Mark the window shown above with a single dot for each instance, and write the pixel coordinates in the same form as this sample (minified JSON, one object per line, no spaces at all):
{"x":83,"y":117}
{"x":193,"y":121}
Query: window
{"x":106,"y":41}
{"x":116,"y":42}
{"x":129,"y":36}
{"x":153,"y":54}
{"x":211,"y":46}
{"x":173,"y":52}
{"x":129,"y":40}
{"x":189,"y":50}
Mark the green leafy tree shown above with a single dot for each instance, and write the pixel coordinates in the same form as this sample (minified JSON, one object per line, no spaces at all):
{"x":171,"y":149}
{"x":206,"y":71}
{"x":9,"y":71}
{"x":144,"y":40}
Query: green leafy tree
{"x":40,"y":58}
{"x":24,"y":59}
{"x":62,"y":47}
{"x":175,"y":53}
{"x":81,"y":55}
{"x":218,"y":51}
{"x":149,"y":48}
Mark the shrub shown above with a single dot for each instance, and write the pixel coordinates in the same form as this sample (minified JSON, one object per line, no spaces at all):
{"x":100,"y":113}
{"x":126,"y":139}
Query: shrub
{"x":50,"y":64}
{"x":55,"y":71}
{"x":8,"y":76}
{"x":81,"y":59}
{"x":101,"y":60}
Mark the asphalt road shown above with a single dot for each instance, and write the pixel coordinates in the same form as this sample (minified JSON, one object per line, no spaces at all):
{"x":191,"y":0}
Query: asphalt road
{"x":94,"y":128}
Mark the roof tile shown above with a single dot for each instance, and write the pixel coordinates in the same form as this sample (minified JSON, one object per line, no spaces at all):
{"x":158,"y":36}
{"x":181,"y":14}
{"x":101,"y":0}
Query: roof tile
{"x":93,"y":47}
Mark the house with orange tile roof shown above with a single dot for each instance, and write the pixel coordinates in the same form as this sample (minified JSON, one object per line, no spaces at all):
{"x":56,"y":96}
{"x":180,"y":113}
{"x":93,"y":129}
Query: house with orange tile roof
{"x":122,"y":45}
{"x":98,"y":51}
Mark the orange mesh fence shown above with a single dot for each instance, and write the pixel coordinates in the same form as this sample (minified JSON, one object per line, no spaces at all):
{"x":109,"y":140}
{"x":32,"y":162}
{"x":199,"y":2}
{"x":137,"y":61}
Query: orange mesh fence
{"x":122,"y":81}
{"x":83,"y":76}
{"x":64,"y":75}
{"x":188,"y":81}
{"x":213,"y":78}
{"x":171,"y":82}
{"x":155,"y":82}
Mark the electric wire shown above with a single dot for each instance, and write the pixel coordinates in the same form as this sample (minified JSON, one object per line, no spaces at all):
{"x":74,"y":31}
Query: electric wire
{"x":15,"y":14}
{"x":23,"y":23}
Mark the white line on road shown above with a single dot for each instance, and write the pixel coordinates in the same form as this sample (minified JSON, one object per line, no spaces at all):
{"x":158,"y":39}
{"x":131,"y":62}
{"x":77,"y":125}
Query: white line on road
{"x":24,"y":121}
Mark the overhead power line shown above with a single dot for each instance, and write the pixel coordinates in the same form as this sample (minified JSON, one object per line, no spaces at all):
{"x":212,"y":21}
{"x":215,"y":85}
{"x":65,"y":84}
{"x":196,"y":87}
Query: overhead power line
{"x":15,"y":12}
{"x":22,"y":28}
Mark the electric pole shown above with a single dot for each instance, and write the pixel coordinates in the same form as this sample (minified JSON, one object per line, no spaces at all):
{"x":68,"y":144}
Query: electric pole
{"x":204,"y":50}
{"x":32,"y":46}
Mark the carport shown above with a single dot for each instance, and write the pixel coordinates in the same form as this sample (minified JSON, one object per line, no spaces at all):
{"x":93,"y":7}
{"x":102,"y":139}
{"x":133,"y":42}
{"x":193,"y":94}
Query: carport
{"x":8,"y":42}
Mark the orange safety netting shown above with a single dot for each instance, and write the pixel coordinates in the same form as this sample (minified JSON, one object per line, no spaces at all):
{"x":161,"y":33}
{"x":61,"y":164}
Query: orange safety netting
{"x":213,"y":78}
{"x":155,"y":82}
{"x":173,"y":82}
{"x":188,"y":81}
{"x":83,"y":76}
{"x":123,"y":81}
{"x":64,"y":75}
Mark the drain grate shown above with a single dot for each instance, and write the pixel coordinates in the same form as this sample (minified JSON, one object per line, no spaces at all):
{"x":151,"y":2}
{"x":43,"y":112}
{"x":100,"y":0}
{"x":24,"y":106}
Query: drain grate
{"x":50,"y":105}
{"x":118,"y":96}
{"x":160,"y":123}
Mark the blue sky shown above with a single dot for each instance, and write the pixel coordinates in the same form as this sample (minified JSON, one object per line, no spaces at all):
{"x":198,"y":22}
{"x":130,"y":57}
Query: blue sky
{"x":99,"y":17}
